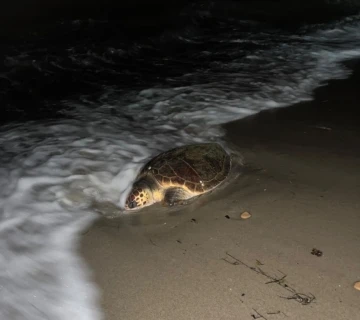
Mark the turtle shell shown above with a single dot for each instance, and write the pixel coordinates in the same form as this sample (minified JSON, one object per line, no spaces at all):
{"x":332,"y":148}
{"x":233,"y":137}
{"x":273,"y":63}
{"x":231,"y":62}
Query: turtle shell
{"x":197,"y":168}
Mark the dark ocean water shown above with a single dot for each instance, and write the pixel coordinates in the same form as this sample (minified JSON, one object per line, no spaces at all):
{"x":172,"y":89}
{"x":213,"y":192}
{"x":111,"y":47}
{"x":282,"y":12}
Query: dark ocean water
{"x":84,"y":103}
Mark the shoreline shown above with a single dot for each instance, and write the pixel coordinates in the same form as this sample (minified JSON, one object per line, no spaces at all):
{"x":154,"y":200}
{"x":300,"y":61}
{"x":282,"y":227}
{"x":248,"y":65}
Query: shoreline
{"x":334,"y":107}
{"x":302,"y":190}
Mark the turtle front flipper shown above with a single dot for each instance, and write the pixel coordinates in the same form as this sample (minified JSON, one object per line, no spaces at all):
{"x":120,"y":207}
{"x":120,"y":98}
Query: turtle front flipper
{"x":175,"y":196}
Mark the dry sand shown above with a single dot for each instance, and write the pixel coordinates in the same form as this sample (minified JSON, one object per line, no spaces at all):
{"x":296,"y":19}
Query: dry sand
{"x":302,"y":188}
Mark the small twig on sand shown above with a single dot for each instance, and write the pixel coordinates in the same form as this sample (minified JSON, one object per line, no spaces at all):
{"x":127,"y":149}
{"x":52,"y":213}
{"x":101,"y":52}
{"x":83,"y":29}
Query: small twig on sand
{"x":257,"y":315}
{"x":272,"y":313}
{"x":303,"y":299}
{"x":259,"y":263}
{"x":277,"y":280}
{"x":277,"y":312}
{"x":152,"y":242}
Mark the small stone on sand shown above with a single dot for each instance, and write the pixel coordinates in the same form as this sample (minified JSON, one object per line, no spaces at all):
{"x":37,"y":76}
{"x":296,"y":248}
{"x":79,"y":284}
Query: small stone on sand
{"x":357,"y":285}
{"x":245,"y":215}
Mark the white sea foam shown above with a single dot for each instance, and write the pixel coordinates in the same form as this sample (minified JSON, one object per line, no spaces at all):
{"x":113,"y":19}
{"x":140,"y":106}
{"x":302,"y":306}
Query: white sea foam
{"x":52,"y":173}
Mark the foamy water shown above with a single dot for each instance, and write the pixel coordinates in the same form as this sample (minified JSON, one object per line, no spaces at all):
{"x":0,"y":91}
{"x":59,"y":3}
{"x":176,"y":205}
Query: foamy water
{"x":53,"y":171}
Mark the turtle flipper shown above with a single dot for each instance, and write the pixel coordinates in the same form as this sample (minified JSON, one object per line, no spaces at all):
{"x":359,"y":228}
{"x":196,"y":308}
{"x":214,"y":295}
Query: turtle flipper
{"x":176,"y":196}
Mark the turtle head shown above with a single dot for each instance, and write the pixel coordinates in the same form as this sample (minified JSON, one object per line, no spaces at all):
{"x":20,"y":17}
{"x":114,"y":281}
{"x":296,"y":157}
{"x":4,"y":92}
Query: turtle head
{"x":139,"y":196}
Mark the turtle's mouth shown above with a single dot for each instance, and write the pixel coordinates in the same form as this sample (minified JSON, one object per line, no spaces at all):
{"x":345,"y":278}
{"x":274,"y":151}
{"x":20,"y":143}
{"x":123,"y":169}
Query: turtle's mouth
{"x":131,"y":204}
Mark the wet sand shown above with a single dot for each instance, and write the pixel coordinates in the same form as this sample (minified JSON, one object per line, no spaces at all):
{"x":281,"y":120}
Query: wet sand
{"x":301,"y":183}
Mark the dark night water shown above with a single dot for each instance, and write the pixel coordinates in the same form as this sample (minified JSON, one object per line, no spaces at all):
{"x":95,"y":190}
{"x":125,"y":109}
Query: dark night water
{"x":85,"y":103}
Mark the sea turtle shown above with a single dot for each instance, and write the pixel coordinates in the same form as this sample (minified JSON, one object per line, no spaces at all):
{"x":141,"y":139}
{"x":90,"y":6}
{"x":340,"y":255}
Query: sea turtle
{"x":180,"y":174}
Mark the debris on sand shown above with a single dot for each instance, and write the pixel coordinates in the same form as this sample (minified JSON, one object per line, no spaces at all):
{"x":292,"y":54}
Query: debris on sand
{"x":316,"y":252}
{"x":245,"y":215}
{"x":357,"y":285}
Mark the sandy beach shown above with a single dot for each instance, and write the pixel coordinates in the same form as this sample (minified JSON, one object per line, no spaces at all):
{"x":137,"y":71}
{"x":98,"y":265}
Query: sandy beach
{"x":301,"y":184}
